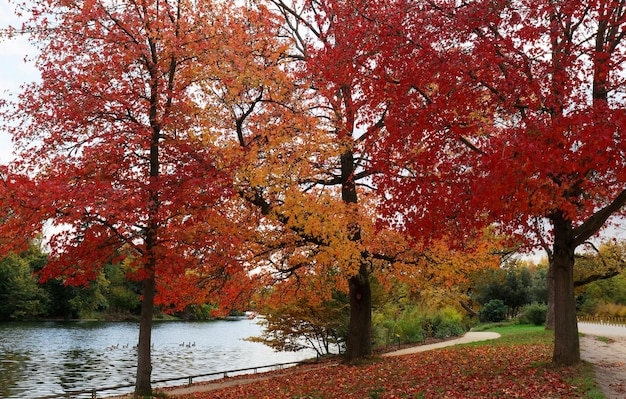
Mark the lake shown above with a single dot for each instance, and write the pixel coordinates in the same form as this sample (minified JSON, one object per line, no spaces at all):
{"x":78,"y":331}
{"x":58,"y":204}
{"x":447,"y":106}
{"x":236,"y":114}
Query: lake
{"x":46,"y":358}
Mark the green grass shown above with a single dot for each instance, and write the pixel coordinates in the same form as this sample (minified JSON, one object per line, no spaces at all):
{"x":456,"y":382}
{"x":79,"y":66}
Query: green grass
{"x":585,"y":379}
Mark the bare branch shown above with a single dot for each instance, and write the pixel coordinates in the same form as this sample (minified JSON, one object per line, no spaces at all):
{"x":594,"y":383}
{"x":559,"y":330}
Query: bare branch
{"x":597,"y":220}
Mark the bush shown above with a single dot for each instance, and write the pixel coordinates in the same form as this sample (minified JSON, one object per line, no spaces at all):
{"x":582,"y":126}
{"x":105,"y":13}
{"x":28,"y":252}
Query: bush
{"x":410,"y":330}
{"x":610,"y":310}
{"x":448,"y":323}
{"x":534,"y":314}
{"x":494,"y":311}
{"x":405,"y":327}
{"x":412,"y":325}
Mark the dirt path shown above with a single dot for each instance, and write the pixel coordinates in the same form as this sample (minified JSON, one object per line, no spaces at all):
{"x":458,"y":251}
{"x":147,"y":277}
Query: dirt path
{"x":605,"y":347}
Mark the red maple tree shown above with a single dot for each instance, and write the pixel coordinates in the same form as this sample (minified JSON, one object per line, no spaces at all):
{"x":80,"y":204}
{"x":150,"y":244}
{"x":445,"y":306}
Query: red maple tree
{"x":509,"y":113}
{"x":112,"y":141}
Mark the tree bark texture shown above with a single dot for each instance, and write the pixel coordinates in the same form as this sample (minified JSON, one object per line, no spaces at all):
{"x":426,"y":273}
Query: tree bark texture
{"x":359,"y":340}
{"x":550,"y":290}
{"x":566,"y":342}
{"x":143,"y":386}
{"x":359,"y":344}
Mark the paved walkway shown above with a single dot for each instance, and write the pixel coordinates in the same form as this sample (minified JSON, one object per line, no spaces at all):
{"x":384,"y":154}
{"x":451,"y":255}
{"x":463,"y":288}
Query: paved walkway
{"x":471,"y":336}
{"x":604,"y":346}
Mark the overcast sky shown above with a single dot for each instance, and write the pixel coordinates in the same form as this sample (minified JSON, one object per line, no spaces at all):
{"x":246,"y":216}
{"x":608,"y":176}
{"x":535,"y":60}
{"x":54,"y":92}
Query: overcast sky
{"x":14,"y":71}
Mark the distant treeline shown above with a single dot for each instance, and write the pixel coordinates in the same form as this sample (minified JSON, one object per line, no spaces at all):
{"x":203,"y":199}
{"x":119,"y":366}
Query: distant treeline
{"x":110,"y":297}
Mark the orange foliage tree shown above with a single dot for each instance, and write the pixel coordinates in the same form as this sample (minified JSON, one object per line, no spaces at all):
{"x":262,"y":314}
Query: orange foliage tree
{"x":340,"y":174}
{"x":293,"y":111}
{"x":298,"y":174}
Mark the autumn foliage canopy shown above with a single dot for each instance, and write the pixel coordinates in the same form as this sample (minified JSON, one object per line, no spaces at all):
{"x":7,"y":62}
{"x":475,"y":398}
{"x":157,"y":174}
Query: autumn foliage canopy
{"x":206,"y":144}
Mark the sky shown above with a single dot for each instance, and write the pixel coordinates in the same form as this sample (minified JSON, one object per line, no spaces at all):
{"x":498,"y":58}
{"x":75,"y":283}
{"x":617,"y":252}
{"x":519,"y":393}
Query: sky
{"x":14,"y":71}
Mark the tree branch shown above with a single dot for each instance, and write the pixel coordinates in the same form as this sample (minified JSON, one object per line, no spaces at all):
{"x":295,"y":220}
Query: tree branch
{"x":595,"y":277}
{"x":595,"y":221}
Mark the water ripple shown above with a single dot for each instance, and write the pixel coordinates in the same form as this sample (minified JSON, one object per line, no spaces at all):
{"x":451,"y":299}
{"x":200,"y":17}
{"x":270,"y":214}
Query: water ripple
{"x":39,"y":359}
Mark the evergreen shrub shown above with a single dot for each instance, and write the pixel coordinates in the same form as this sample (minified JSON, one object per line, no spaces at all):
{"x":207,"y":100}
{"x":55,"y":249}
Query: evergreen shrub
{"x":493,"y":311}
{"x":534,"y":314}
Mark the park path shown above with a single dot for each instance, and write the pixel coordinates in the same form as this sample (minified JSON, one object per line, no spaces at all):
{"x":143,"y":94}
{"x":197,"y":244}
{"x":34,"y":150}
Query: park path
{"x":472,"y":336}
{"x":604,"y":346}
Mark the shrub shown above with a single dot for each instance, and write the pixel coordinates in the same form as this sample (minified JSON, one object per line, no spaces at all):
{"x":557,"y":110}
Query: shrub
{"x":406,"y":327}
{"x":448,"y":323}
{"x":413,"y":325}
{"x":610,"y":310}
{"x":534,"y":314}
{"x":494,"y":311}
{"x":410,"y":331}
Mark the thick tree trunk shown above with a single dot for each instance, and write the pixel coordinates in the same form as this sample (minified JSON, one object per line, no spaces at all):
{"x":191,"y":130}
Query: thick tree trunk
{"x":359,"y":341}
{"x":566,"y":343}
{"x":550,"y":286}
{"x":143,"y":386}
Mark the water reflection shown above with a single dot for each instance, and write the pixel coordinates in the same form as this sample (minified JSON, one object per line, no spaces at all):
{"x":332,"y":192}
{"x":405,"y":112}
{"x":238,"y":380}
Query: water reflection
{"x":78,"y":367}
{"x":39,"y":359}
{"x":12,"y":368}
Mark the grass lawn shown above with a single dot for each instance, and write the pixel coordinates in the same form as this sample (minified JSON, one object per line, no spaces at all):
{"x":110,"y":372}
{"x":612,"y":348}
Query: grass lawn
{"x":514,"y":366}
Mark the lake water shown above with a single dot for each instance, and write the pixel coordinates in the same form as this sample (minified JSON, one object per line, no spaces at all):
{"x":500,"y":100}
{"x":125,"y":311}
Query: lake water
{"x":47,"y":358}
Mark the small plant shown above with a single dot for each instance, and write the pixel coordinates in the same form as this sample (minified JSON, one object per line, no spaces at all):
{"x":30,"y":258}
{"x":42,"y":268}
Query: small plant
{"x":409,"y":329}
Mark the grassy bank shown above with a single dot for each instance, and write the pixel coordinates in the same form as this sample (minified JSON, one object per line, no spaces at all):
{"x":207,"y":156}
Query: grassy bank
{"x":516,"y":365}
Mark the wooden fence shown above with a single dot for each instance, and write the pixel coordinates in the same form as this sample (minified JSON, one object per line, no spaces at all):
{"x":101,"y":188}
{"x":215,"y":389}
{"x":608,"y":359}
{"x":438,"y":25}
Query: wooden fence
{"x":610,"y":321}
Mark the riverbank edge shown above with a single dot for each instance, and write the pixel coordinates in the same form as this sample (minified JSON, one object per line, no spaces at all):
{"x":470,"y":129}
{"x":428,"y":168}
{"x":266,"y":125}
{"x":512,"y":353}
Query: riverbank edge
{"x":123,"y":319}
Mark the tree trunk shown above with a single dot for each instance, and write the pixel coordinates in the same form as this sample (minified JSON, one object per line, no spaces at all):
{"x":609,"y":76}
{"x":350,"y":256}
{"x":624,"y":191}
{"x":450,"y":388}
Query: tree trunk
{"x":143,"y":386}
{"x":566,"y":343}
{"x":550,"y":287}
{"x":469,"y":309}
{"x":359,"y":342}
